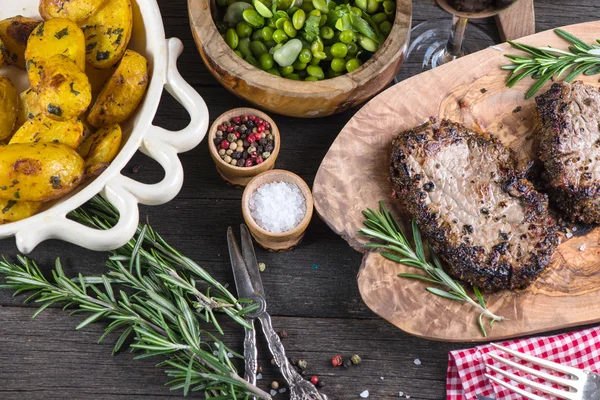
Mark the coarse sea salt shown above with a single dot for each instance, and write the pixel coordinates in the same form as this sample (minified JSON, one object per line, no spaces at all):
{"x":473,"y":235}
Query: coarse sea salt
{"x":278,"y":206}
{"x":364,"y":394}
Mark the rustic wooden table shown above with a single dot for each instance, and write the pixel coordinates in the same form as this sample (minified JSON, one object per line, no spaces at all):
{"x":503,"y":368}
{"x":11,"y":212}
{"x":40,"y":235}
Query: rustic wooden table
{"x":311,"y":291}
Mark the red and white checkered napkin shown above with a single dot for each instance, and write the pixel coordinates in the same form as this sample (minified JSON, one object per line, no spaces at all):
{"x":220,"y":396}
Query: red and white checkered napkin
{"x":466,"y":368}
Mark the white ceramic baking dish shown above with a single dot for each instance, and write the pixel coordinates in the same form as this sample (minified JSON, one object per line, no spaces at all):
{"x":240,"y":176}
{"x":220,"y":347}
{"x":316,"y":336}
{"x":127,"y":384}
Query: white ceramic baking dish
{"x":139,"y":133}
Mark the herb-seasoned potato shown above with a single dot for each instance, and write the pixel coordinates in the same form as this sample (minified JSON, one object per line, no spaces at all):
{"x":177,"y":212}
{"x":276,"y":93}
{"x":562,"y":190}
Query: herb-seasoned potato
{"x":107,"y":33}
{"x":38,"y":171}
{"x":75,"y":10}
{"x":64,"y":91}
{"x":100,"y":149}
{"x":29,"y":107}
{"x":122,"y":93}
{"x":57,"y":36}
{"x":9,"y":106}
{"x":45,"y":130}
{"x":14,"y":33}
{"x":12,"y":210}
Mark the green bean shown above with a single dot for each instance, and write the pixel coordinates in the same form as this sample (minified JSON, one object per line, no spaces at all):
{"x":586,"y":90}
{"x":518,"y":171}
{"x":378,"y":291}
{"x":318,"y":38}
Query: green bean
{"x":307,"y":6}
{"x":319,"y":55}
{"x":234,"y":13}
{"x":311,"y":79}
{"x":253,"y":18}
{"x":288,"y":53}
{"x":239,"y":53}
{"x":315,"y":61}
{"x":333,"y":74}
{"x":298,"y":19}
{"x":266,"y":34}
{"x":266,"y":61}
{"x":357,"y":11}
{"x":274,"y":71}
{"x":368,"y":44}
{"x":323,"y":20}
{"x":285,"y":71}
{"x":289,"y":29}
{"x":257,"y":35}
{"x":252,"y":61}
{"x":317,"y":45}
{"x":362,"y":4}
{"x":298,"y":65}
{"x":327,"y":32}
{"x":339,"y":50}
{"x":270,"y":44}
{"x":294,"y":77}
{"x":271,"y":23}
{"x":385,"y":27}
{"x":372,"y":6}
{"x":258,"y":48}
{"x":279,"y":36}
{"x":338,"y":64}
{"x":316,"y":71}
{"x":231,"y":37}
{"x":352,"y":64}
{"x":244,"y":47}
{"x":347,"y":36}
{"x":352,"y":49}
{"x":315,"y":12}
{"x":389,"y":7}
{"x":243,"y":29}
{"x":305,"y":56}
{"x":328,"y":55}
{"x":321,"y":5}
{"x":262,"y":9}
{"x":379,"y":18}
{"x":280,"y":23}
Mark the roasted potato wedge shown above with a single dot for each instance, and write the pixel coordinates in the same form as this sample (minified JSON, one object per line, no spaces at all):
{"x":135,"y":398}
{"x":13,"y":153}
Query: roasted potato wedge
{"x":14,"y":33}
{"x":38,"y":171}
{"x":100,"y":149}
{"x":57,"y":36}
{"x":75,"y":10}
{"x":12,"y":210}
{"x":41,"y":129}
{"x":107,"y":33}
{"x":122,"y":93}
{"x":29,"y":107}
{"x":9,"y":107}
{"x":64,"y":91}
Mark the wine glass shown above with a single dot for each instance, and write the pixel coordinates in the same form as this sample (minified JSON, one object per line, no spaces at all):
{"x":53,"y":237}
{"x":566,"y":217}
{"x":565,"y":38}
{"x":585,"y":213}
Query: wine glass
{"x":431,"y":46}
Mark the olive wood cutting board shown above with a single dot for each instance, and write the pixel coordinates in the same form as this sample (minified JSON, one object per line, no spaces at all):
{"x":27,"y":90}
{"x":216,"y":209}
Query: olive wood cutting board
{"x":354,"y":176}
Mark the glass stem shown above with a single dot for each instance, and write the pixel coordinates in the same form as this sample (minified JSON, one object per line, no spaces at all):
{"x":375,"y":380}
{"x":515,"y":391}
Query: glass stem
{"x":455,"y":41}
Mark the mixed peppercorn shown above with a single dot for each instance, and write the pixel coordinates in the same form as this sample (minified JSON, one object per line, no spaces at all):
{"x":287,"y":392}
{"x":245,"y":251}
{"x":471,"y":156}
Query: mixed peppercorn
{"x":245,"y":141}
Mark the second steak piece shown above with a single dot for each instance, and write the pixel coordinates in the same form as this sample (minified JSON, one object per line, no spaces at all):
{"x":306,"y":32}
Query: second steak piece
{"x":569,"y":147}
{"x":477,"y":211}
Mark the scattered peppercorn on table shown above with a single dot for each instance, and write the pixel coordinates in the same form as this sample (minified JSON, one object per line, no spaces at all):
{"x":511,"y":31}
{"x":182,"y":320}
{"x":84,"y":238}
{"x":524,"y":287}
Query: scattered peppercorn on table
{"x":311,"y":291}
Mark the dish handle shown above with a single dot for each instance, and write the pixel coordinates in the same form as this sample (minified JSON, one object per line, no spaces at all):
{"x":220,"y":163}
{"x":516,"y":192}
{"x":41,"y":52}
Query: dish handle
{"x":125,"y":193}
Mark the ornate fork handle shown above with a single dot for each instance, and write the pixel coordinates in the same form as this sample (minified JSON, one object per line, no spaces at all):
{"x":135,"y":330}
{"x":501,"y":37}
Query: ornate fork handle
{"x":300,"y":389}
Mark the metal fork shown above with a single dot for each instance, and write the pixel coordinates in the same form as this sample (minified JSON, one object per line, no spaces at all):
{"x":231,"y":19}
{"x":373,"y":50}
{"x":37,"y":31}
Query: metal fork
{"x":578,"y":384}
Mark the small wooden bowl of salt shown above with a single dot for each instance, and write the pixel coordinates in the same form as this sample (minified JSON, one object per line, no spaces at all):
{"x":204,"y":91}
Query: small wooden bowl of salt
{"x":277,"y":206}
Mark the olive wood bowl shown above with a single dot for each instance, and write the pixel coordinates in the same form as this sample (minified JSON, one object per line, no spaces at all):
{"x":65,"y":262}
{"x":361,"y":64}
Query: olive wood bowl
{"x":277,"y":241}
{"x":234,"y":175}
{"x":298,"y":98}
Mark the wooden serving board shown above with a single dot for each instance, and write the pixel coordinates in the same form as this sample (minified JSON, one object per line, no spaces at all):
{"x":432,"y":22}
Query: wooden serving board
{"x":354,"y":176}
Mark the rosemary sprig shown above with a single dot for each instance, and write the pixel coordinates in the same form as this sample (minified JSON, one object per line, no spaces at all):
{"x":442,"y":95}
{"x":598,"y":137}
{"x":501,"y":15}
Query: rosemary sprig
{"x":548,"y":62}
{"x":382,"y":225}
{"x":160,"y":300}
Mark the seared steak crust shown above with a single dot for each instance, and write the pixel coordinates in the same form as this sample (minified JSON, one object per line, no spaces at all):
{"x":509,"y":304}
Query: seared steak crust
{"x":569,"y":147}
{"x":477,"y":211}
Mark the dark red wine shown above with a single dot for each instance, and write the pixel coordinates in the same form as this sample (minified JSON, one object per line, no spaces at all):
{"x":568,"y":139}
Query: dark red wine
{"x":475,"y":8}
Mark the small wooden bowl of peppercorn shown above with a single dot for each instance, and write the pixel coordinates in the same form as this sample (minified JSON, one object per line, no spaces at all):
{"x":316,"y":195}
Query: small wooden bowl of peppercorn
{"x":243,"y":143}
{"x":277,"y":206}
{"x":294,"y":98}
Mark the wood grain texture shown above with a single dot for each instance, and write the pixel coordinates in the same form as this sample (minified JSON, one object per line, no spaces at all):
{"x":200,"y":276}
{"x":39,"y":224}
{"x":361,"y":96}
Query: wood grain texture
{"x":293,"y":98}
{"x":321,"y":308}
{"x":516,"y":22}
{"x":355,"y":175}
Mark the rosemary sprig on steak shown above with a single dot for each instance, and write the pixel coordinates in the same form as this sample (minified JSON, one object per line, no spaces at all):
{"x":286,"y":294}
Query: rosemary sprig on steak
{"x":548,"y":62}
{"x":382,"y":225}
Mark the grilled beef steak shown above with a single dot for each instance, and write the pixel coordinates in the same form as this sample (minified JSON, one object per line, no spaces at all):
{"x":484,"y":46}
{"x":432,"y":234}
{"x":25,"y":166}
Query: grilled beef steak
{"x":569,"y":147}
{"x":476,"y":210}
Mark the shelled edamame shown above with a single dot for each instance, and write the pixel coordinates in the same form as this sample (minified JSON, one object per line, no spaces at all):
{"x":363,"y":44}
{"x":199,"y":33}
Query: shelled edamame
{"x":306,"y":39}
